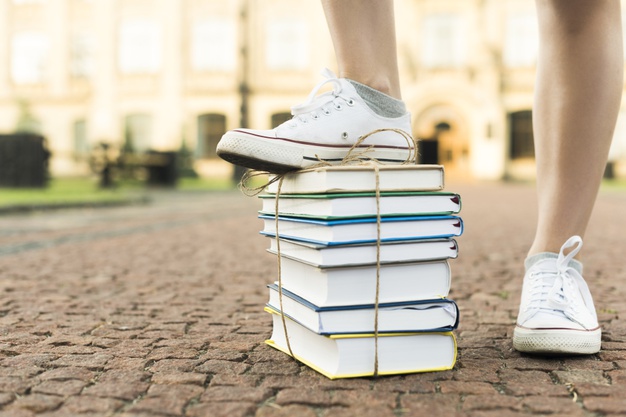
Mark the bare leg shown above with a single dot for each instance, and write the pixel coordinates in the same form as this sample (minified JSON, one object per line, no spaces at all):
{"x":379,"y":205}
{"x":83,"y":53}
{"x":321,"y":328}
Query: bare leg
{"x":577,"y":99}
{"x":363,"y":33}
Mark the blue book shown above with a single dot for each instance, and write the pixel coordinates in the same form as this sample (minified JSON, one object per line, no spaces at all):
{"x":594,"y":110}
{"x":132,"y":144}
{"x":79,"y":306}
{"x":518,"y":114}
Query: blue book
{"x":362,"y":230}
{"x":437,"y":315}
{"x":350,"y":205}
{"x":357,"y":254}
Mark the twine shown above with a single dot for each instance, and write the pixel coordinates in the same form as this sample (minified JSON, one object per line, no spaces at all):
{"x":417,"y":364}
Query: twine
{"x":376,"y":172}
{"x":280,"y":275}
{"x":351,"y":158}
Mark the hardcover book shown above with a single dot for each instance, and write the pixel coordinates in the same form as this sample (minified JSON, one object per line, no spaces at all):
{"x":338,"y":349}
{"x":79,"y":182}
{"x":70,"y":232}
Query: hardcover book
{"x":407,"y":316}
{"x":355,"y":178}
{"x":343,"y":286}
{"x":325,"y":256}
{"x":333,"y":206}
{"x":352,"y":355}
{"x":363,"y":230}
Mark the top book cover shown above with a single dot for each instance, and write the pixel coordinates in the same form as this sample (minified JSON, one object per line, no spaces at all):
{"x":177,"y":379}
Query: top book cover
{"x":361,"y":178}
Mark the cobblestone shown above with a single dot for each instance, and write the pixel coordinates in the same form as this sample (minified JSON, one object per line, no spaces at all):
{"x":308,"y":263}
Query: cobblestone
{"x":165,"y":317}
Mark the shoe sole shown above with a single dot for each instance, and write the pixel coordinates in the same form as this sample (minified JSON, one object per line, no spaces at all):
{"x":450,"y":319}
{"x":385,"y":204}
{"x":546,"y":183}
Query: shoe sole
{"x":279,"y":155}
{"x":557,"y":341}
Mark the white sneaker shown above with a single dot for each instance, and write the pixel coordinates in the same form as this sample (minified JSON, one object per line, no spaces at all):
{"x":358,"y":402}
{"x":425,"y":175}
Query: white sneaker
{"x":557,"y":315}
{"x":324,"y":128}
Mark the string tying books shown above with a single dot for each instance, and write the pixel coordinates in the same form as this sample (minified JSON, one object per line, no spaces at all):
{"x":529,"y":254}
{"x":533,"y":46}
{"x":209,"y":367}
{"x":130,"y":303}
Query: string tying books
{"x":353,"y":157}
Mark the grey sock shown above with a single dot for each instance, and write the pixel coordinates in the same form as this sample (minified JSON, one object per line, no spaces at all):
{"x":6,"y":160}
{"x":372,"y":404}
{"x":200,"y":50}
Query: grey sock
{"x":530,"y":261}
{"x":380,"y":103}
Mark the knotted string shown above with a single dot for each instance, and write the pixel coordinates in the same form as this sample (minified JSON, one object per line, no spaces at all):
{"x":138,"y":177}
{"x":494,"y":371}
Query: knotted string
{"x":351,"y":158}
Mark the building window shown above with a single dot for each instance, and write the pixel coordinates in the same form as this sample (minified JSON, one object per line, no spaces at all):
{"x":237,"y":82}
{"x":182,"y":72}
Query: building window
{"x":139,"y":49}
{"x":211,"y":128}
{"x":521,"y":40}
{"x":137,"y":132}
{"x":29,"y":52}
{"x":522,"y":143}
{"x":288,"y":44}
{"x":280,"y":118}
{"x":81,"y":146}
{"x":213,"y":46}
{"x":445,"y":41}
{"x":82,"y":55}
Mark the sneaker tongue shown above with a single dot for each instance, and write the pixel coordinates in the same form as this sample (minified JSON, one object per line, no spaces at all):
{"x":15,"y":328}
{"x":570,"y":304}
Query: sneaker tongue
{"x":315,"y":100}
{"x":559,"y":292}
{"x":546,"y":270}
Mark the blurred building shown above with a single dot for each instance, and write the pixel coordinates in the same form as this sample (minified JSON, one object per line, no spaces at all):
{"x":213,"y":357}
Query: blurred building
{"x":155,"y":73}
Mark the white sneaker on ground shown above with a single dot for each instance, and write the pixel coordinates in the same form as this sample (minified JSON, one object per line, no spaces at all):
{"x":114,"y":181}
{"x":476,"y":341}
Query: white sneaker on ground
{"x":324,"y":128}
{"x":557,"y":315}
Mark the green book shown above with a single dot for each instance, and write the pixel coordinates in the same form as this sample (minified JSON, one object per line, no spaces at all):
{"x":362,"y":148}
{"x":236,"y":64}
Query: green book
{"x":351,"y":205}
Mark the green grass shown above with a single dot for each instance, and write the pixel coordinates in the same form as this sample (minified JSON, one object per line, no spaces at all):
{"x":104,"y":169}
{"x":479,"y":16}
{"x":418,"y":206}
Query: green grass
{"x":67,"y":191}
{"x":193,"y":184}
{"x":215,"y":184}
{"x":63,"y":191}
{"x":614,"y":185}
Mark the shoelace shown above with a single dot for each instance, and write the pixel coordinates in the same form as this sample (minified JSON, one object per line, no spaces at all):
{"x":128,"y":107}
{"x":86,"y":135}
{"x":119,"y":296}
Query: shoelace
{"x":559,"y":291}
{"x":316,"y":103}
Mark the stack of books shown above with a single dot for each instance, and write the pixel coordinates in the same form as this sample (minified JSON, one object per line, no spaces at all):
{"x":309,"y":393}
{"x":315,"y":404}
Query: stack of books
{"x":333,"y":265}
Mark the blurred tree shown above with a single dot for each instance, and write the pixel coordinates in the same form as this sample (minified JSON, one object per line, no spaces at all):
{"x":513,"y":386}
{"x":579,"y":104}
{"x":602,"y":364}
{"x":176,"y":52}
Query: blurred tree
{"x":129,"y":145}
{"x":185,"y":159}
{"x":26,"y":121}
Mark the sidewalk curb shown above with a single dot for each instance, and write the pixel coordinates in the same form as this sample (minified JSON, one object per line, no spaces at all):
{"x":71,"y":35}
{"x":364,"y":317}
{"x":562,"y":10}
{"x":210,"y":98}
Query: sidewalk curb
{"x":29,"y":208}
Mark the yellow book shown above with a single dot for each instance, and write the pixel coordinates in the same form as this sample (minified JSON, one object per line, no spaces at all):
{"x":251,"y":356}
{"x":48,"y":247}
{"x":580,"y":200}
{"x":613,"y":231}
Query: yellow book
{"x":353,"y":355}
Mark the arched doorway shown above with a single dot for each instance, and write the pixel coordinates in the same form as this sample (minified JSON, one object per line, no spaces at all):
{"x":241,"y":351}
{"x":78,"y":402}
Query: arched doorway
{"x":443,"y":139}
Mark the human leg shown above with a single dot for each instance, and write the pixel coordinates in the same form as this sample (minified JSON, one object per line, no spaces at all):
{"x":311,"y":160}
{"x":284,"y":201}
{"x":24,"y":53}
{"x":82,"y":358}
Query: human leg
{"x":578,"y":93}
{"x":577,"y":98}
{"x":364,"y":38}
{"x":365,"y":98}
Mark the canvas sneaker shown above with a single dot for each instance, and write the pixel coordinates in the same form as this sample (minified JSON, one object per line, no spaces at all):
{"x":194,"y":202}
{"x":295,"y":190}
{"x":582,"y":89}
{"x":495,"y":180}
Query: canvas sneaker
{"x":323,"y":128}
{"x":556,"y":314}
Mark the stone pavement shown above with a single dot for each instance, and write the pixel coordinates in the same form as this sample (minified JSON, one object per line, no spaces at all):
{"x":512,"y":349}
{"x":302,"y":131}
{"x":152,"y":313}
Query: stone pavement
{"x":158,"y":311}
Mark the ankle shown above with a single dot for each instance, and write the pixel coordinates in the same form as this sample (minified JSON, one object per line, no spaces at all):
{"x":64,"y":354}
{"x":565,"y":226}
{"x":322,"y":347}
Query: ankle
{"x":538,"y":250}
{"x":538,"y":257}
{"x":380,"y":103}
{"x":379,"y":83}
